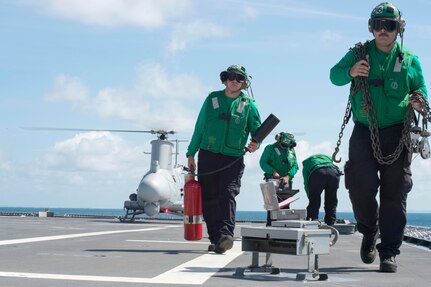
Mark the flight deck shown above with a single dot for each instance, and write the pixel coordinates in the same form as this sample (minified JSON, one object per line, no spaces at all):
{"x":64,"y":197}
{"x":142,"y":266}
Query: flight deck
{"x":61,"y":251}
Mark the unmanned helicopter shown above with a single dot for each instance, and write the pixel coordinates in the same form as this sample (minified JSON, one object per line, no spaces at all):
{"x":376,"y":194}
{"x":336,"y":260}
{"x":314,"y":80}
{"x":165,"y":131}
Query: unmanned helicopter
{"x":161,"y":189}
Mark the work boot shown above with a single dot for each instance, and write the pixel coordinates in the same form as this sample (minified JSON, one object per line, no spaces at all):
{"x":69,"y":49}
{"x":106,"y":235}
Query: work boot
{"x":368,"y":247}
{"x":388,"y":264}
{"x":225,"y":243}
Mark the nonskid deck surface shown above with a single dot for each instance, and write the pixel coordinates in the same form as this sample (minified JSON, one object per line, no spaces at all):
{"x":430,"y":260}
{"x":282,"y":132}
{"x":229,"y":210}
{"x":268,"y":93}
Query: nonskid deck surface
{"x":61,"y":251}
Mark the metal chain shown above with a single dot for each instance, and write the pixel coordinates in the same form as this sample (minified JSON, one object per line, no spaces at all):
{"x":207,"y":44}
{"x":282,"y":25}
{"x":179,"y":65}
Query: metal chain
{"x":360,"y":53}
{"x":418,"y":96}
{"x":347,"y":115}
{"x":362,"y":85}
{"x":346,"y":118}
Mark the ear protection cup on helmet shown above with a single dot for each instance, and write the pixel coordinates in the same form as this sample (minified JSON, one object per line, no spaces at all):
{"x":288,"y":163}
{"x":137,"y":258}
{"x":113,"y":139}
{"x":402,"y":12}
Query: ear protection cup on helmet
{"x":370,"y":28}
{"x":402,"y":25}
{"x":246,"y":84}
{"x":223,"y":76}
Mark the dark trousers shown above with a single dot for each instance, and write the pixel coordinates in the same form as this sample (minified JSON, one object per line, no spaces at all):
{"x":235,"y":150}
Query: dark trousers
{"x":323,"y":179}
{"x":363,"y":177}
{"x":219,"y":191}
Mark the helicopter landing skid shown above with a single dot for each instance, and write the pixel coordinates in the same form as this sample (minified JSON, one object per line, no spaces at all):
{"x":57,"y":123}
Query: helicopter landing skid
{"x":130,"y":215}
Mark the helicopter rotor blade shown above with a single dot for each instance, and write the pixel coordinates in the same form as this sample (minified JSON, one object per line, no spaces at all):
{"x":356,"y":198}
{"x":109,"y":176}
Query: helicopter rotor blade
{"x":98,"y":130}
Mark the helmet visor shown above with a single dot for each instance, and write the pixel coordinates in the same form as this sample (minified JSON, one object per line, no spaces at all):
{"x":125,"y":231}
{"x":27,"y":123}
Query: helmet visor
{"x":388,"y":25}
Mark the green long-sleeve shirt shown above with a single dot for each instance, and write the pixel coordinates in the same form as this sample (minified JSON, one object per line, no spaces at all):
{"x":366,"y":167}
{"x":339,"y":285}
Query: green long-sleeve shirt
{"x":390,"y":98}
{"x":283,"y":161}
{"x":312,"y":163}
{"x":224,"y":124}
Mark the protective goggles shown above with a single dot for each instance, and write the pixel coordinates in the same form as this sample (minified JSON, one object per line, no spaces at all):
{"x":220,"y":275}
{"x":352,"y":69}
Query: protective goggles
{"x":287,"y":140}
{"x":232,"y":76}
{"x":388,"y":25}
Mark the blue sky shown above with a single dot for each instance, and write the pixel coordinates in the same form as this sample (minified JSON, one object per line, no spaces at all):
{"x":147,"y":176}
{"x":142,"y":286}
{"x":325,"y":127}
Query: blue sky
{"x":117,"y":64}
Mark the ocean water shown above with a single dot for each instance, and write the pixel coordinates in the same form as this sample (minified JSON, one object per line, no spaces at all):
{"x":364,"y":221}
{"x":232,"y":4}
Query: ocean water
{"x":414,"y":219}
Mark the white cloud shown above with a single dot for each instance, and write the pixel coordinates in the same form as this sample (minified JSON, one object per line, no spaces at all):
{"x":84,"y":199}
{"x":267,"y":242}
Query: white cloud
{"x":91,"y":151}
{"x":142,"y":13}
{"x":157,"y":100}
{"x":184,"y":34}
{"x":328,"y":36}
{"x":420,"y":196}
{"x":93,"y":170}
{"x":118,"y":103}
{"x":421,"y":168}
{"x":250,"y":12}
{"x":306,"y":149}
{"x":67,"y":88}
{"x":5,"y":164}
{"x":156,"y":83}
{"x":289,"y":9}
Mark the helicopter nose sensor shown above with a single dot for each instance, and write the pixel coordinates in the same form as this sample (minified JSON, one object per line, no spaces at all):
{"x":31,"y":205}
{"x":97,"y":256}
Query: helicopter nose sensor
{"x":152,"y":208}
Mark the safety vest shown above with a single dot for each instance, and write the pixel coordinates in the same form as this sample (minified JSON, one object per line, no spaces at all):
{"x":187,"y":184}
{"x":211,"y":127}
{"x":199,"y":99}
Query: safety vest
{"x":283,"y":161}
{"x":388,"y":86}
{"x":226,"y":129}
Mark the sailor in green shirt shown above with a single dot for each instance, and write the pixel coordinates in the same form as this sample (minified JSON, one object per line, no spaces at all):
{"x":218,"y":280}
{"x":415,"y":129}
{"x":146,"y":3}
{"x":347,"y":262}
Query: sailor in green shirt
{"x":225,"y":121}
{"x":320,"y":173}
{"x":386,"y":81}
{"x":278,"y":161}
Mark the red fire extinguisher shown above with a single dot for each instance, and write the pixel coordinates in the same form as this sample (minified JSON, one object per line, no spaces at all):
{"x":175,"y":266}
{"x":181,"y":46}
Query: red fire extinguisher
{"x":192,"y":209}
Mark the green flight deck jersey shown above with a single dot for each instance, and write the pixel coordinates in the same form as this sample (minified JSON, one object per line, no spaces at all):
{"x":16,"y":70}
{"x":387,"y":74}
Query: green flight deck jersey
{"x":224,"y":124}
{"x":283,"y":161}
{"x":314,"y":162}
{"x":391,"y":82}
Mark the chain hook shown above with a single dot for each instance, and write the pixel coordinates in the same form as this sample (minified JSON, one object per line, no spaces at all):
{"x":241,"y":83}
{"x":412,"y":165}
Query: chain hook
{"x":334,"y":155}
